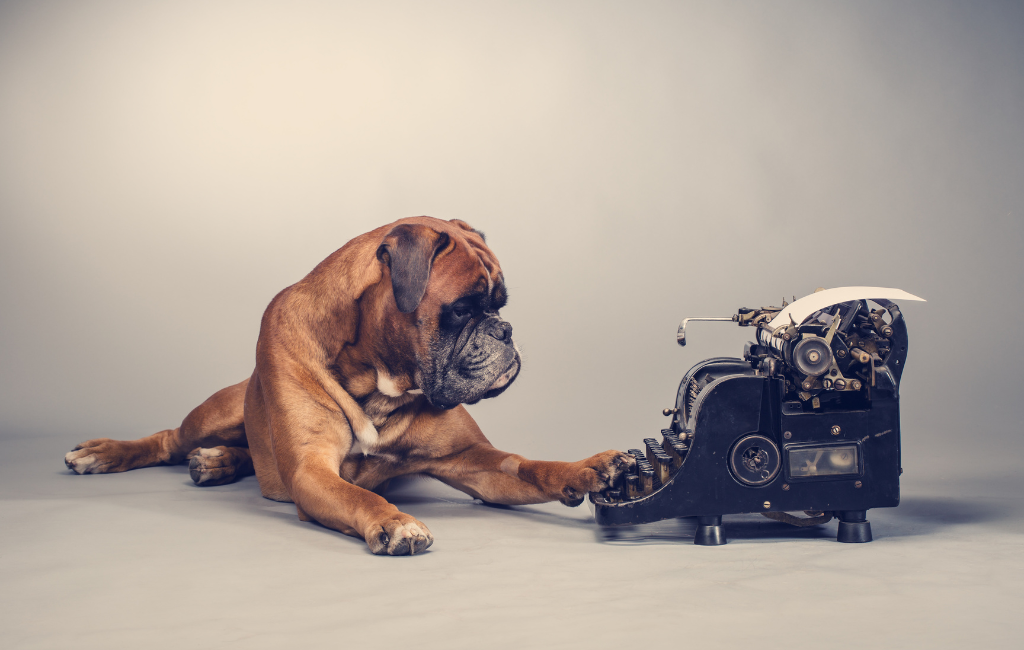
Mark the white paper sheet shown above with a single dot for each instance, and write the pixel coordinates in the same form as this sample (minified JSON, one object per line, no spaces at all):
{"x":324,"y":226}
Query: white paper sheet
{"x":801,"y":309}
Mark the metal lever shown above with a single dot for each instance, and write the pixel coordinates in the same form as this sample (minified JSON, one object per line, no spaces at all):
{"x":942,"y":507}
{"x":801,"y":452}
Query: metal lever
{"x":681,"y":334}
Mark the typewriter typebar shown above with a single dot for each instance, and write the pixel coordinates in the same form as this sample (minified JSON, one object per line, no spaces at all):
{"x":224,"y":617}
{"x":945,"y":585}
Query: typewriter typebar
{"x":805,"y":427}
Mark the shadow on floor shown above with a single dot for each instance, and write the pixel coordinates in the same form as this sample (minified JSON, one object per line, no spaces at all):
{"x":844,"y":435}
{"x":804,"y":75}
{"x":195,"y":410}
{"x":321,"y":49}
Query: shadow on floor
{"x":945,"y":511}
{"x":915,"y":516}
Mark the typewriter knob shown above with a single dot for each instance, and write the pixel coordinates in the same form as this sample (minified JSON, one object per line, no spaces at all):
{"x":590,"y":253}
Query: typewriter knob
{"x":667,"y":412}
{"x":812,"y":356}
{"x":754,"y":460}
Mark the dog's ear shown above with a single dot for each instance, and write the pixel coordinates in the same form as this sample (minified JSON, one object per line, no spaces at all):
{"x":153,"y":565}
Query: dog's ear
{"x":409,"y":251}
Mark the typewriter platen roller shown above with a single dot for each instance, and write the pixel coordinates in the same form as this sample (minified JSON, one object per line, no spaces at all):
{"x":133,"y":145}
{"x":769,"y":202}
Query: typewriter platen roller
{"x":806,"y":422}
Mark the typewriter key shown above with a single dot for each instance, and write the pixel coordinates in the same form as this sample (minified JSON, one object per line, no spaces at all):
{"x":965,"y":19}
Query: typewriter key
{"x":674,"y":448}
{"x":638,"y":455}
{"x":651,"y":446}
{"x":662,"y":466}
{"x":633,"y":486}
{"x":646,"y":477}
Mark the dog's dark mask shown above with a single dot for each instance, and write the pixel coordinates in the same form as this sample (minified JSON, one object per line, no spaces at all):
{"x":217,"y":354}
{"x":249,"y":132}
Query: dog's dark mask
{"x":467,"y":353}
{"x":473,"y":357}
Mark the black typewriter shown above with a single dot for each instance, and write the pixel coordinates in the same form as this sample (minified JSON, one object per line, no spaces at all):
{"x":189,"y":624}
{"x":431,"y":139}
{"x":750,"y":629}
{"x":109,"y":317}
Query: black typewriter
{"x":805,"y":427}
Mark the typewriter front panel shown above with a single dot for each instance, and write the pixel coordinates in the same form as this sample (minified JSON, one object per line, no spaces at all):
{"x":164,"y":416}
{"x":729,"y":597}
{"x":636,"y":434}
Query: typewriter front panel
{"x":843,"y":460}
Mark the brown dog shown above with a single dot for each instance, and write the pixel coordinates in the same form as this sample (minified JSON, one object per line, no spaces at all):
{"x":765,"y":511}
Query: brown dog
{"x":361,"y":370}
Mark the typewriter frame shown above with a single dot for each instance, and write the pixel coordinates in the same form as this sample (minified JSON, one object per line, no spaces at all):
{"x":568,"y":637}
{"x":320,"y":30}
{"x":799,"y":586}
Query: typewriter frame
{"x":748,"y":398}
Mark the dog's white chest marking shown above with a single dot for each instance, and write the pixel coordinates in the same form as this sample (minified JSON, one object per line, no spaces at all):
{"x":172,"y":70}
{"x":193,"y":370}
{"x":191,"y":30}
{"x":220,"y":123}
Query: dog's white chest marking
{"x":387,"y":385}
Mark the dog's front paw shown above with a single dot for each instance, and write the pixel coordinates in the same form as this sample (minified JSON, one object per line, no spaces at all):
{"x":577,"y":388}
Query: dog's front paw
{"x":398,"y":534}
{"x":599,"y":472}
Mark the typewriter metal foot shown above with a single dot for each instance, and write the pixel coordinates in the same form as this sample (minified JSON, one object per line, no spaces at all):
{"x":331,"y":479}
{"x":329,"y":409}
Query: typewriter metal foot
{"x":854,"y":528}
{"x":709,"y":532}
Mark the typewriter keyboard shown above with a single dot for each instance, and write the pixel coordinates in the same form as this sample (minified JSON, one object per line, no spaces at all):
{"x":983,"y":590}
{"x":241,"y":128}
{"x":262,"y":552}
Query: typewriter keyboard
{"x":655,"y":465}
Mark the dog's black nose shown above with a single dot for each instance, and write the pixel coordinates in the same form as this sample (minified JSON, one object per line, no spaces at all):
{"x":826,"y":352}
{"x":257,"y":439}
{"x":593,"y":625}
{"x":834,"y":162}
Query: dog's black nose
{"x":500,"y":330}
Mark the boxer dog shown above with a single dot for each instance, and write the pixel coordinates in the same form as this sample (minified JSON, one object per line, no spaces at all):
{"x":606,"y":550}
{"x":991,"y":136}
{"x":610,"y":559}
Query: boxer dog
{"x":362,"y":368}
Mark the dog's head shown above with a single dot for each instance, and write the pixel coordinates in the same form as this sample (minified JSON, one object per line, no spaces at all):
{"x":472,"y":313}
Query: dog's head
{"x":447,"y":288}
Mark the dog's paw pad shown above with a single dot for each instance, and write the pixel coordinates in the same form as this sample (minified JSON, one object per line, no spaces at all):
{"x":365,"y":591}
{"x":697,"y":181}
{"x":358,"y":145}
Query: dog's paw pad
{"x":571,"y":497}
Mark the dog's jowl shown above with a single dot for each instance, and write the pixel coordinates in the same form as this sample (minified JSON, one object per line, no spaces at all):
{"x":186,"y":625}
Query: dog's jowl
{"x":362,"y":368}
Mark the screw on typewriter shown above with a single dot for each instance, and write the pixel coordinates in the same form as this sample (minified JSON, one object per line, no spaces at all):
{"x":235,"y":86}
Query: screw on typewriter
{"x":806,"y":422}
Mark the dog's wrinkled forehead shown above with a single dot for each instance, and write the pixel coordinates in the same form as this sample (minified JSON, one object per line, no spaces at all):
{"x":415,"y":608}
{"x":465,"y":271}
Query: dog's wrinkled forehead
{"x":467,"y":267}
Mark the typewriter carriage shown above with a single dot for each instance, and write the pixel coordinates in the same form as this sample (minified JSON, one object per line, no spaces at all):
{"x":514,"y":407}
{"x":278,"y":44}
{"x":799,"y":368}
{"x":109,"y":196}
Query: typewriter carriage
{"x":807,"y":420}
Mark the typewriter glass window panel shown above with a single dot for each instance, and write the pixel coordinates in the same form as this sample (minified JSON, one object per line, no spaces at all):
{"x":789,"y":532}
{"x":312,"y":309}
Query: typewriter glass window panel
{"x":832,"y":460}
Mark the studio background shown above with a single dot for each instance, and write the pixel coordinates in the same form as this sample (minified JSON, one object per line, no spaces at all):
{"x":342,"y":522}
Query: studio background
{"x":167,"y":167}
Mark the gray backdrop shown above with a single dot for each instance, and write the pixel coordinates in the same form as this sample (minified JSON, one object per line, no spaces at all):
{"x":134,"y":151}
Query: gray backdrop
{"x":166,"y":168}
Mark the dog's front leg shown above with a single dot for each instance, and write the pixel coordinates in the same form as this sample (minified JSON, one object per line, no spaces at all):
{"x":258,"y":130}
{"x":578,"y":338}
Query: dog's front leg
{"x":310,"y":437}
{"x":496,"y":476}
{"x":322,"y":495}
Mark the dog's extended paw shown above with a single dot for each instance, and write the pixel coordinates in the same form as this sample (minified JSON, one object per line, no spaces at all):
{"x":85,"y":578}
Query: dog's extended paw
{"x":599,"y":472}
{"x":213,"y":466}
{"x":100,"y":456}
{"x":399,"y":534}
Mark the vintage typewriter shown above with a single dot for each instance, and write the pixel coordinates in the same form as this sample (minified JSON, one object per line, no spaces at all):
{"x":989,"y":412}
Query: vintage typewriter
{"x":806,"y":422}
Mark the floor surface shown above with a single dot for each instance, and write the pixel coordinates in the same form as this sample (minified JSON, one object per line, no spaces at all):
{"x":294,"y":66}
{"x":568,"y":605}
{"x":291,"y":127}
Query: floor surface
{"x":145,"y":559}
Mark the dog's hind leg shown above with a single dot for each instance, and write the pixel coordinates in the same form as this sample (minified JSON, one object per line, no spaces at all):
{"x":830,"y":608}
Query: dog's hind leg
{"x":217,"y":422}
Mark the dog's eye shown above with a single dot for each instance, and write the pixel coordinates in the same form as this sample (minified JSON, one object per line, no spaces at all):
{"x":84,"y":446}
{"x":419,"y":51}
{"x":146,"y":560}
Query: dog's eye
{"x":459,"y":313}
